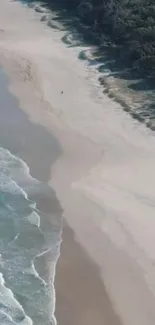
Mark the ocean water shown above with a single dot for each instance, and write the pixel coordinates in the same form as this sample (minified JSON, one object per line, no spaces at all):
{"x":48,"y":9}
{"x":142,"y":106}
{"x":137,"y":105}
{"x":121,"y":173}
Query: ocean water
{"x":27,"y":237}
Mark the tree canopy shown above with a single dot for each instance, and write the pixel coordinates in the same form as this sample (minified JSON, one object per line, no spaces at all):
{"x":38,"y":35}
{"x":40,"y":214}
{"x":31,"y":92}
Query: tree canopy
{"x":129,"y":24}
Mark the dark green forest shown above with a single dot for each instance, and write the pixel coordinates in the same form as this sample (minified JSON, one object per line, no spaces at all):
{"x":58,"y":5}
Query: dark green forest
{"x":129,"y":25}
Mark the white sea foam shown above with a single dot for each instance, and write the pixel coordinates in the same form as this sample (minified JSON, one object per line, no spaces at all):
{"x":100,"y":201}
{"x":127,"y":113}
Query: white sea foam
{"x":34,"y":219}
{"x":10,"y":307}
{"x":21,"y":243}
{"x":121,"y":185}
{"x":11,"y":312}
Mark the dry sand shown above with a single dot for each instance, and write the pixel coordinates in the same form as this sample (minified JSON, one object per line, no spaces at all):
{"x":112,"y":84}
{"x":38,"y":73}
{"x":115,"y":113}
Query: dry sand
{"x":104,"y":177}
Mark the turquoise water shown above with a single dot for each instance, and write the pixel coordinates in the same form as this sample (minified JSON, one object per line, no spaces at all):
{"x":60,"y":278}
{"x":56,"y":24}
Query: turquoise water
{"x":29,"y":238}
{"x":26,"y":235}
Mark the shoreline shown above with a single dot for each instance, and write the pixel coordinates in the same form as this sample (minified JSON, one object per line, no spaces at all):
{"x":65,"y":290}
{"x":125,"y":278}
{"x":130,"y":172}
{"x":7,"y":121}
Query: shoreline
{"x":74,"y":305}
{"x":107,"y":157}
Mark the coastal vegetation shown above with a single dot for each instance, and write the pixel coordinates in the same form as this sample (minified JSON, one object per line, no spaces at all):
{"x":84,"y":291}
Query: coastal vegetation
{"x":128,"y":24}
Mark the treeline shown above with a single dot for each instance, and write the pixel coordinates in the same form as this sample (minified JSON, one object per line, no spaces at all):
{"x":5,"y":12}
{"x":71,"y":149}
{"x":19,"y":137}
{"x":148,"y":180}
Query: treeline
{"x":129,"y":24}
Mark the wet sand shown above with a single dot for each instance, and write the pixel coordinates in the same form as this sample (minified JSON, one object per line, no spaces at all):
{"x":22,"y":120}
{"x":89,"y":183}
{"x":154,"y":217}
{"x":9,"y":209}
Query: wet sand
{"x":99,"y":161}
{"x":81,"y":297}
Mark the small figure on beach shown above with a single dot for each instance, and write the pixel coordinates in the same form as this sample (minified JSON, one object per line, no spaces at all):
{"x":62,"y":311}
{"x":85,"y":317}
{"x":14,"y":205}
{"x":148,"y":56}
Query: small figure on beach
{"x":62,"y":92}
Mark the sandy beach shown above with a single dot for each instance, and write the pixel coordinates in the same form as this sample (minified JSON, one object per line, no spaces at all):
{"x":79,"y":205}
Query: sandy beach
{"x":99,"y":163}
{"x":77,"y":276}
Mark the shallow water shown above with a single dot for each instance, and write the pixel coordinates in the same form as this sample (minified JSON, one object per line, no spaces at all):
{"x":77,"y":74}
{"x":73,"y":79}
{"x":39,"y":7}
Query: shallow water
{"x":28,"y":237}
{"x":25,"y":297}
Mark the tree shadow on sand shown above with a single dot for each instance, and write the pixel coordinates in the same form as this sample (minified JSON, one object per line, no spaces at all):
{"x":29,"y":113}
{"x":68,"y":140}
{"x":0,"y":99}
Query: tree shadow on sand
{"x":97,"y":51}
